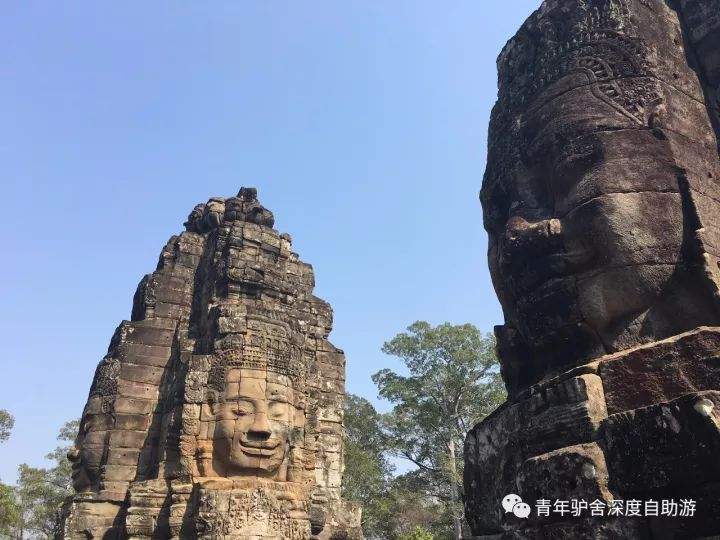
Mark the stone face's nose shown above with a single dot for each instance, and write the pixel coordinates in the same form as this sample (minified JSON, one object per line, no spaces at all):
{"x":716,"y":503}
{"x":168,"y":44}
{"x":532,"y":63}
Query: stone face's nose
{"x":73,"y":454}
{"x":260,"y":429}
{"x":533,"y":237}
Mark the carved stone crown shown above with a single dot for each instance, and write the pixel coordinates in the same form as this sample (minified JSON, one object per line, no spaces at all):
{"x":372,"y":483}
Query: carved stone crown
{"x":286,"y":361}
{"x":282,"y":360}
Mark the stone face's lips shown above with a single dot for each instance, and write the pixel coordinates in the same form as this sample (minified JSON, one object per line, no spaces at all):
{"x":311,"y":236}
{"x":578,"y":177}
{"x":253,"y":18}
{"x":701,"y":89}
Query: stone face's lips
{"x":265,"y":448}
{"x":262,"y":452}
{"x":79,"y":476}
{"x":529,"y":279}
{"x":76,"y":466}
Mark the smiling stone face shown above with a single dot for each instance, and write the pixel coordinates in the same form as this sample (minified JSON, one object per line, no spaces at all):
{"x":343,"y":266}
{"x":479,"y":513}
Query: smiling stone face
{"x":254,"y":424}
{"x":591,"y":254}
{"x":220,"y":404}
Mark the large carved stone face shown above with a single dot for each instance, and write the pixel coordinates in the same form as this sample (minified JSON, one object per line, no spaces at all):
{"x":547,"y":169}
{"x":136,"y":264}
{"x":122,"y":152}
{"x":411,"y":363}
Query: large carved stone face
{"x":254,"y":423}
{"x":588,"y":215}
{"x":87,"y":453}
{"x":594,"y":232}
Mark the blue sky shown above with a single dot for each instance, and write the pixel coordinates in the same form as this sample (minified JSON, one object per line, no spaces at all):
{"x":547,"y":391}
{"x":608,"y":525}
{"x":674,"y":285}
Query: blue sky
{"x":362,"y":124}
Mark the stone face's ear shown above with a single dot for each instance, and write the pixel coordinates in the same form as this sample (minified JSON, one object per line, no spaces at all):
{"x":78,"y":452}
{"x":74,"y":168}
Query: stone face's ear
{"x":212,"y":408}
{"x":299,"y":418}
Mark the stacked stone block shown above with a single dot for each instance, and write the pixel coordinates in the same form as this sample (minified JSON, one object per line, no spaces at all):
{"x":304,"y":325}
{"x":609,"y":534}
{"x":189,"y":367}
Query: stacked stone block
{"x":601,"y":199}
{"x":220,"y":403}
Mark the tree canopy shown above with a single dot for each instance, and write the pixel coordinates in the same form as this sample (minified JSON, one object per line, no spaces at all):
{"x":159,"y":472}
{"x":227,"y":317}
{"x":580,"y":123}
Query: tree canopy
{"x":7,"y":422}
{"x":40,"y":491}
{"x":368,"y":471}
{"x":450,"y":380}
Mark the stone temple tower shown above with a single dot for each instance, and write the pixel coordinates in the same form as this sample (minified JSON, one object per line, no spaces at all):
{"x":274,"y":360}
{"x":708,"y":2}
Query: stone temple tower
{"x":217,"y":411}
{"x":601,"y":199}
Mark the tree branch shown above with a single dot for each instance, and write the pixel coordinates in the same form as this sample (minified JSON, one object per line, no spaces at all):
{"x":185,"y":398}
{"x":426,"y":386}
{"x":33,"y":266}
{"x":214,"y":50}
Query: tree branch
{"x":418,"y":463}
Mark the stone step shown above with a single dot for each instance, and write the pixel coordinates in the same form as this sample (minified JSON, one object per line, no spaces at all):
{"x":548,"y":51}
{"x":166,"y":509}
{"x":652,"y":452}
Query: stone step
{"x":115,"y":473}
{"x":171,"y":281}
{"x":145,"y":334}
{"x":123,"y":456}
{"x":179,"y":272}
{"x":137,"y":390}
{"x":133,"y":421}
{"x":136,"y":353}
{"x":113,"y":491}
{"x":157,"y":322}
{"x":128,"y":439}
{"x":141,"y":373}
{"x":171,"y":311}
{"x":173,"y":296}
{"x":133,"y":405}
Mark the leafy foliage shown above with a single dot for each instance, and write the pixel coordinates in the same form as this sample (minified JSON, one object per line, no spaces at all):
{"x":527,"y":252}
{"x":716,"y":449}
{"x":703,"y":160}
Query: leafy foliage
{"x":412,"y":509}
{"x":41,"y":491}
{"x":453,"y":382}
{"x":7,"y":421}
{"x":367,"y":470}
{"x":393,"y":507}
{"x":9,"y":511}
{"x":418,"y":533}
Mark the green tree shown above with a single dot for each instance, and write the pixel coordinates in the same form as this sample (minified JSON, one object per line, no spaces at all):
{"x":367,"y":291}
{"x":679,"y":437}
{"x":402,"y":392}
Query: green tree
{"x":367,"y":469}
{"x":41,"y":491}
{"x":453,"y":381}
{"x":393,"y":507}
{"x":7,"y":421}
{"x":9,"y":509}
{"x":418,"y":533}
{"x":61,"y":474}
{"x":411,"y":508}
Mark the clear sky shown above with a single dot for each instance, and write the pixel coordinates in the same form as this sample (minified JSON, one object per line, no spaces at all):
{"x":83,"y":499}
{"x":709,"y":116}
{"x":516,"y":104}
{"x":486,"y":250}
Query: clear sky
{"x":362,"y":123}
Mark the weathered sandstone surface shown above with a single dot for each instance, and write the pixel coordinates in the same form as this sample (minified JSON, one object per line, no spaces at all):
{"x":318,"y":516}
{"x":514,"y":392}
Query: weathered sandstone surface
{"x":217,"y":411}
{"x":601,"y":200}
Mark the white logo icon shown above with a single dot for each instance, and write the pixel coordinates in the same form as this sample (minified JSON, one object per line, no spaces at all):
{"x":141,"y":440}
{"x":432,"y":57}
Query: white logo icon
{"x":521,"y":510}
{"x":513,"y":503}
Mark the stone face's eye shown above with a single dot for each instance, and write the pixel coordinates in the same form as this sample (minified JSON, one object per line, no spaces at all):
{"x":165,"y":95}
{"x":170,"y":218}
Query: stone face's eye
{"x":243,"y":409}
{"x":278,"y":410}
